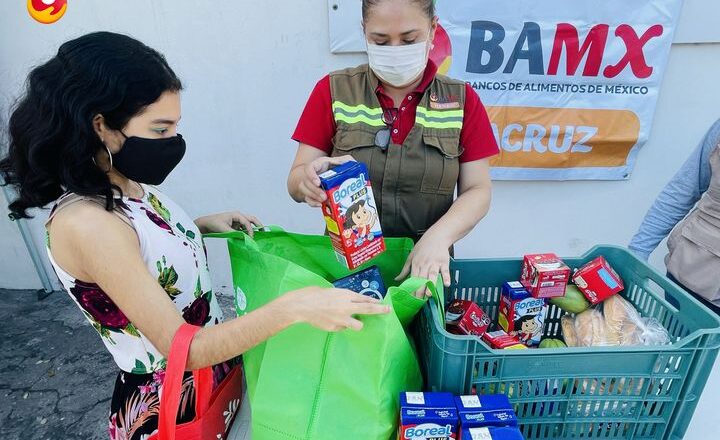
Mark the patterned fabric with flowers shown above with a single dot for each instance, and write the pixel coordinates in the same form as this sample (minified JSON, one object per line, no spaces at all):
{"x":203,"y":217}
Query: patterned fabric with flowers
{"x":135,"y":405}
{"x":172,"y":248}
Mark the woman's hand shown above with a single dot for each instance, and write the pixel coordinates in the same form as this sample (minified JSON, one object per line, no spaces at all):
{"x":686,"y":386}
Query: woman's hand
{"x":429,"y":258}
{"x":330,"y":309}
{"x":309,"y":180}
{"x":431,"y":255}
{"x":227,"y":222}
{"x":304,"y":181}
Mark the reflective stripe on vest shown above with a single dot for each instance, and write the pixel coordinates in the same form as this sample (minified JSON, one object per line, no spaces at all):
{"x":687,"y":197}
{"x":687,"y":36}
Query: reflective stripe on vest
{"x":353,"y":114}
{"x":439,"y":119}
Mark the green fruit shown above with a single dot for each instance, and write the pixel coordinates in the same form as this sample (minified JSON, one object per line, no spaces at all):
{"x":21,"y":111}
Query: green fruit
{"x":552,"y":343}
{"x":573,"y":301}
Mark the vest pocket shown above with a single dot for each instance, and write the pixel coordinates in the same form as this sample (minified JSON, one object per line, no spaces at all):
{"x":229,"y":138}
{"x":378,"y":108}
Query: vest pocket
{"x":694,"y":257}
{"x":442,"y":164}
{"x":360,"y":144}
{"x":347,"y":140}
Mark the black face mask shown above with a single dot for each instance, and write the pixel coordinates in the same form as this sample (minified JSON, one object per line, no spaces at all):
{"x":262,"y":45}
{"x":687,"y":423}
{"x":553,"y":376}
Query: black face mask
{"x":149,"y":160}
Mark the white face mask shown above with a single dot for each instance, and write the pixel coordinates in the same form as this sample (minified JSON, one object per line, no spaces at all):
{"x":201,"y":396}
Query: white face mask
{"x":398,"y":65}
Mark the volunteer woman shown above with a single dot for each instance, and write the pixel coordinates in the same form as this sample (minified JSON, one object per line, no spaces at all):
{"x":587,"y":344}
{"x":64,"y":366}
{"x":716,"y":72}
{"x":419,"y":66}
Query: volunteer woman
{"x":694,"y":244}
{"x":420,"y":134}
{"x":96,"y":128}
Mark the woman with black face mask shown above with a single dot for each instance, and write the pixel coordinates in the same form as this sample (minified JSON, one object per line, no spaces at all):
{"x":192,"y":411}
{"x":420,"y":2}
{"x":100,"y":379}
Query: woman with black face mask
{"x":94,"y":131}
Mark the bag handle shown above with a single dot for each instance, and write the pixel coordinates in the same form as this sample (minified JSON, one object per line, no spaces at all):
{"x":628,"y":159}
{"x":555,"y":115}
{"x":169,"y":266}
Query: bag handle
{"x":413,"y":303}
{"x":242,"y":235}
{"x":172,"y":384}
{"x":235,"y":235}
{"x":415,"y":283}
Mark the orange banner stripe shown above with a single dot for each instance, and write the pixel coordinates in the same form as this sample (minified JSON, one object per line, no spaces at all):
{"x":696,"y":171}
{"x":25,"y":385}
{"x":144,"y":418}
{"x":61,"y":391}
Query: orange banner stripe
{"x":538,"y":137}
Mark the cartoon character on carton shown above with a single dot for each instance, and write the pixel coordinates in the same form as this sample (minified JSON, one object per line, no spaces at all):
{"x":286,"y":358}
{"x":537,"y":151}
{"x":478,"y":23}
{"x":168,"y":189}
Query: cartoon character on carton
{"x":527,"y":328}
{"x":359,"y":221}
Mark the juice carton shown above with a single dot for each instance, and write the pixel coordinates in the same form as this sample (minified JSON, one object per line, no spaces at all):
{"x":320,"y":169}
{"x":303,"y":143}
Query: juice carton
{"x":351,"y":214}
{"x":426,"y":416}
{"x":491,"y":433}
{"x":488,"y":418}
{"x":522,"y":315}
{"x":598,"y":281}
{"x":466,"y":318}
{"x":485,"y":402}
{"x":545,"y":275}
{"x":501,"y":340}
{"x":485,"y":410}
{"x":367,"y":282}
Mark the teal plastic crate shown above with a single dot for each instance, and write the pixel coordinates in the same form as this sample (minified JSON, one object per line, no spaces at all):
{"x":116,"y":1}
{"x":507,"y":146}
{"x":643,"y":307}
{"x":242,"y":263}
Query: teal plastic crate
{"x":598,"y":392}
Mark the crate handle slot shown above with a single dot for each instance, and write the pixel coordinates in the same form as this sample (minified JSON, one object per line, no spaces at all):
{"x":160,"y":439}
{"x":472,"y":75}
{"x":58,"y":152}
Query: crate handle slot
{"x":661,"y":293}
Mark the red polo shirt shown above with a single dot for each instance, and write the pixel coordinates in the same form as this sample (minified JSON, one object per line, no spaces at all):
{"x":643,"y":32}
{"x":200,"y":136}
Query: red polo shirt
{"x":317,"y":123}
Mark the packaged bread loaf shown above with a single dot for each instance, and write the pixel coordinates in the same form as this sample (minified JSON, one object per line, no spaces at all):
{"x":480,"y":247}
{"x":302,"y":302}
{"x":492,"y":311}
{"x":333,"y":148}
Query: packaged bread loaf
{"x":567,"y":323}
{"x":622,"y":321}
{"x":584,"y":328}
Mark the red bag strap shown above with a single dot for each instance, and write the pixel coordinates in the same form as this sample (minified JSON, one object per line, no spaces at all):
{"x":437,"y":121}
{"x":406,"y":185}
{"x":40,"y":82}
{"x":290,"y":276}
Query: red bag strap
{"x":203,"y":390}
{"x":172,"y":384}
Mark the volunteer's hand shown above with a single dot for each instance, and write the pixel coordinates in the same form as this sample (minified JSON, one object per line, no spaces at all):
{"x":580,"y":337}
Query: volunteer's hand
{"x":227,"y":222}
{"x":429,"y":257}
{"x":309,"y":185}
{"x":330,"y":309}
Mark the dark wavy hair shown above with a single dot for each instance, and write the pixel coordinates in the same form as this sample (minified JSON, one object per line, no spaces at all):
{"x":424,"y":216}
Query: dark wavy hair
{"x":52,"y":141}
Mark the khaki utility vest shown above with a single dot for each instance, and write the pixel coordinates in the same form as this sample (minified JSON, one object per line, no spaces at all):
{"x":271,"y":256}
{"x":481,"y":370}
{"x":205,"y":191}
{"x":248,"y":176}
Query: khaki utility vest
{"x":414,"y":183}
{"x":694,"y":257}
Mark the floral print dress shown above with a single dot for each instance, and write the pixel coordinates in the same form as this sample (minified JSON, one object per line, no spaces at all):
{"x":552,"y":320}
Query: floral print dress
{"x":174,"y":253}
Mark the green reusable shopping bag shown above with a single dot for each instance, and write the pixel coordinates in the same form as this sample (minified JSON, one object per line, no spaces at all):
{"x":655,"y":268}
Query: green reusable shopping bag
{"x":305,"y":383}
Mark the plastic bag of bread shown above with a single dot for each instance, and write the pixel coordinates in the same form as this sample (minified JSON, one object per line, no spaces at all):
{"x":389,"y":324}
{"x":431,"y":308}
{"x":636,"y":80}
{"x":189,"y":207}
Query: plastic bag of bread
{"x":617,"y":322}
{"x":590,"y":329}
{"x":567,"y":323}
{"x":621,"y":321}
{"x":625,"y":326}
{"x":653,"y":332}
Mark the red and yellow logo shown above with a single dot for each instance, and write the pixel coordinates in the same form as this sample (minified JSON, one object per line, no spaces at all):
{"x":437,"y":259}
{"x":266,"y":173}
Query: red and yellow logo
{"x":441,"y":52}
{"x":47,"y":11}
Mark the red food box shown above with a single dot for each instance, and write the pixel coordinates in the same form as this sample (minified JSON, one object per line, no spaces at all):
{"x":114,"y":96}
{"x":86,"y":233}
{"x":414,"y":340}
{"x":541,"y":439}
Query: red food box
{"x":466,"y":318}
{"x":545,"y":275}
{"x":501,"y":340}
{"x":351,"y":214}
{"x":598,"y":281}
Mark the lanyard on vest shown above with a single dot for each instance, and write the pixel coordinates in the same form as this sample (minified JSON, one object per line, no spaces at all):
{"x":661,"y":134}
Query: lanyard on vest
{"x":382,"y":137}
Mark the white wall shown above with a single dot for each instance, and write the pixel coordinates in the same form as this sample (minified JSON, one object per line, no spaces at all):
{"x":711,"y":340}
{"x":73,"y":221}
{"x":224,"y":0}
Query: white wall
{"x":248,"y":69}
